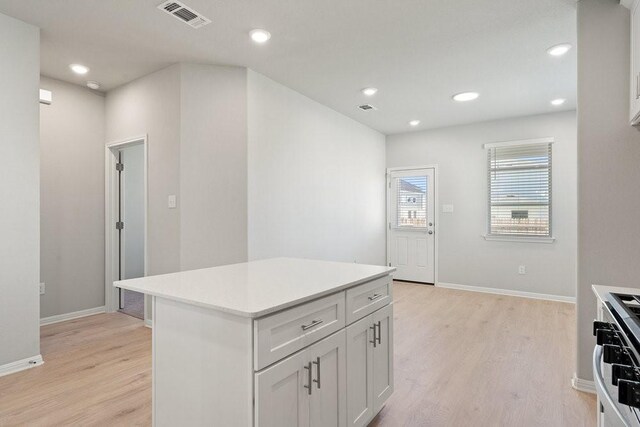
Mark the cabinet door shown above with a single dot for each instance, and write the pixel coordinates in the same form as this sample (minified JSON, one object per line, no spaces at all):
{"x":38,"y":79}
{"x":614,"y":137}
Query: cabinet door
{"x":360,"y":372}
{"x":383,"y":357}
{"x":328,"y":398}
{"x":281,"y":399}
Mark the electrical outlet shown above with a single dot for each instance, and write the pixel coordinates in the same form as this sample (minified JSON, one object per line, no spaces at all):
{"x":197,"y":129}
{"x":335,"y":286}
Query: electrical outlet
{"x":172,"y":201}
{"x":522,"y":269}
{"x":42,"y":288}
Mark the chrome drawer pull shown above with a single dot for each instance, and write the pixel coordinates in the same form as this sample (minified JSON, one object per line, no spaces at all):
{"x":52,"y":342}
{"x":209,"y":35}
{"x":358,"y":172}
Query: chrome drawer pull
{"x":375,"y":297}
{"x":375,"y":341}
{"x":311,"y":325}
{"x":317,"y":363}
{"x":308,"y":368}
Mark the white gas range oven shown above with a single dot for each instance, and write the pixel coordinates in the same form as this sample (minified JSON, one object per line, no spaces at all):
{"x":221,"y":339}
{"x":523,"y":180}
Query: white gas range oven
{"x":616,"y":356}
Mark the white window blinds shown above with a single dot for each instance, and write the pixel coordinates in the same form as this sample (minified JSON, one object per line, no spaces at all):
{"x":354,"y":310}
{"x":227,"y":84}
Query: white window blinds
{"x":520,"y":188}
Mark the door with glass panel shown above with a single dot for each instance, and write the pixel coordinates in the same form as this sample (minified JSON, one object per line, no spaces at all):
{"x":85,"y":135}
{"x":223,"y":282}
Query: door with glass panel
{"x":411,"y":224}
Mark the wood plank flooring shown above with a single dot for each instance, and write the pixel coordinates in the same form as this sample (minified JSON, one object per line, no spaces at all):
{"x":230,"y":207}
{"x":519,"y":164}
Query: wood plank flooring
{"x":461,"y":358}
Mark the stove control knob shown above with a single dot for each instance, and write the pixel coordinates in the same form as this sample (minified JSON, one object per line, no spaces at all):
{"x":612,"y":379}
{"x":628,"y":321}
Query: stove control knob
{"x":603,"y":325}
{"x":616,"y":354}
{"x":607,"y":336}
{"x":629,"y":393}
{"x":623,"y":372}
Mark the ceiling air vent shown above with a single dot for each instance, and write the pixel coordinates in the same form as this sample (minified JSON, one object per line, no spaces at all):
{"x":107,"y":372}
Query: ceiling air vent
{"x":184,"y":14}
{"x":367,"y":107}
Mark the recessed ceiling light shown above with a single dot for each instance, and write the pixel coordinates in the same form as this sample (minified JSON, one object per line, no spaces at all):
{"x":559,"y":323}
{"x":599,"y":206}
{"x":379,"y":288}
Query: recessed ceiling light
{"x":369,"y":91}
{"x":260,"y":36}
{"x":558,"y":101}
{"x":414,"y":122}
{"x":465,"y":96}
{"x":559,"y":49}
{"x":93,"y":85}
{"x":79,"y":69}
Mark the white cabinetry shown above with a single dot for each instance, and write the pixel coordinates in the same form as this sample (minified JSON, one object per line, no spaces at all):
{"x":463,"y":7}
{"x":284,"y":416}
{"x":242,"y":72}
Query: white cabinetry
{"x":271,"y":343}
{"x":369,"y":365}
{"x":634,"y":86}
{"x":280,"y":395}
{"x":306,"y":389}
{"x":383,"y":357}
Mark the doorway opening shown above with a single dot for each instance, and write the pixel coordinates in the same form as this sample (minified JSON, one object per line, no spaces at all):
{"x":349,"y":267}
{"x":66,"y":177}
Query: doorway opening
{"x":412,"y":224}
{"x":126,"y":224}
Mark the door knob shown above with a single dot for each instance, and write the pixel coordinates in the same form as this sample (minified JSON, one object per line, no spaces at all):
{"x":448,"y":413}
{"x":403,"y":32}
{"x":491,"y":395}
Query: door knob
{"x":430,"y":232}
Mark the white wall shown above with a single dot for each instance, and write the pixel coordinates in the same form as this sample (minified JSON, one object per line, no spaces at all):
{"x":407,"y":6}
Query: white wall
{"x":71,"y":199}
{"x":465,"y":257}
{"x":316,"y":179}
{"x":608,"y":164}
{"x":20,"y":191}
{"x":132,"y":157}
{"x":213,"y":166}
{"x":151,"y":106}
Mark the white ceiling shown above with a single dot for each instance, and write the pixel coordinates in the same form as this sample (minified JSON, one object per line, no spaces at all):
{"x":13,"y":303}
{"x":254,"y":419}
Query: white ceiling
{"x":417,"y":52}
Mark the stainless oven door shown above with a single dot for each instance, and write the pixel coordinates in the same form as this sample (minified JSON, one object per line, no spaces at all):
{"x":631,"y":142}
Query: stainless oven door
{"x":612,"y":413}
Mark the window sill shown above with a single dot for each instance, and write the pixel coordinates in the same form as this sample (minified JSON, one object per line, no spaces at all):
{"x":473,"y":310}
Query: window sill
{"x":519,"y":239}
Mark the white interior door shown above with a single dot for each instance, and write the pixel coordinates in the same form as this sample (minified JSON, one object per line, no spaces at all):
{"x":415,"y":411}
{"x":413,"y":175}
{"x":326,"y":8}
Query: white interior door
{"x":130,"y":224}
{"x":411,"y":216}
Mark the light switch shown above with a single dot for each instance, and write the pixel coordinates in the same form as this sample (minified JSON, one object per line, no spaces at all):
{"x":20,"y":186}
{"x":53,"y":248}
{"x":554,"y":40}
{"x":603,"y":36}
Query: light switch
{"x":172,"y":201}
{"x":447,"y":208}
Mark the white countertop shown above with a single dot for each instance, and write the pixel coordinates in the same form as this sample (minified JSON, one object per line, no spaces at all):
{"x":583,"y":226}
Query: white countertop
{"x":601,"y":291}
{"x":256,"y":288}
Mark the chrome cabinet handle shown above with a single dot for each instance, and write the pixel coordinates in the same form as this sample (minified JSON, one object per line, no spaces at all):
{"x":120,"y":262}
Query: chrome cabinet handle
{"x":379,"y":332}
{"x":317,"y":363}
{"x":375,"y":297}
{"x":308,"y":387}
{"x":312,"y":324}
{"x":430,"y":232}
{"x":375,"y":341}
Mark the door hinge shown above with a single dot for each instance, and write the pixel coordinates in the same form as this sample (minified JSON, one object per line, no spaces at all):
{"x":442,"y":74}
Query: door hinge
{"x":119,"y":225}
{"x":119,"y":167}
{"x":389,"y":226}
{"x":389,"y":264}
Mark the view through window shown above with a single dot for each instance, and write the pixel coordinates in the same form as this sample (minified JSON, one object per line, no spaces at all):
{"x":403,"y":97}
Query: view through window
{"x":411,"y":202}
{"x":520,"y":190}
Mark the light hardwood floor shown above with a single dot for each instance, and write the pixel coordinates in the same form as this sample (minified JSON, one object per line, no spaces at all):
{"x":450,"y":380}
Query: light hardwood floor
{"x":461,"y":358}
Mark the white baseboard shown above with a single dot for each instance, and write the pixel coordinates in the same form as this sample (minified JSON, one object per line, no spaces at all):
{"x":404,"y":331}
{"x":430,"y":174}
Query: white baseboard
{"x":583,"y":385}
{"x":72,"y":315}
{"x":147,"y":323}
{"x":509,"y":292}
{"x":21,"y":365}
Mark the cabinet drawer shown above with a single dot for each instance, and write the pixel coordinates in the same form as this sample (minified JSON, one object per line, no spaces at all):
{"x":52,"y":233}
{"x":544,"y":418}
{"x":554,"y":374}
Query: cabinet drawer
{"x":281,"y":334}
{"x":367,"y":298}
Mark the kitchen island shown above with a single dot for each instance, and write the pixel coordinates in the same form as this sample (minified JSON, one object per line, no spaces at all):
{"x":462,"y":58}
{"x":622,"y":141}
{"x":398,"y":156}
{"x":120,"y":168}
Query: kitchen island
{"x":279,"y":342}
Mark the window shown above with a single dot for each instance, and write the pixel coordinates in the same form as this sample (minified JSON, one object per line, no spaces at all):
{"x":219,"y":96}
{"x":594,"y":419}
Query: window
{"x":520,"y":188}
{"x":411,"y":207}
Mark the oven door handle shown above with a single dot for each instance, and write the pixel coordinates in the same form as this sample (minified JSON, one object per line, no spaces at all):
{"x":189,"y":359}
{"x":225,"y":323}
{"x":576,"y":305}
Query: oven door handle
{"x":601,"y":389}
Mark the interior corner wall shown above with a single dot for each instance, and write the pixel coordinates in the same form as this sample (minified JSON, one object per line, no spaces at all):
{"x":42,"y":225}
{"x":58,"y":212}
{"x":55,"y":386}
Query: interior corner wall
{"x":20,"y":191}
{"x":151,"y":106}
{"x":213,"y":166}
{"x":608,"y":165}
{"x":316,"y":184}
{"x":71,"y":199}
{"x":464,"y":256}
